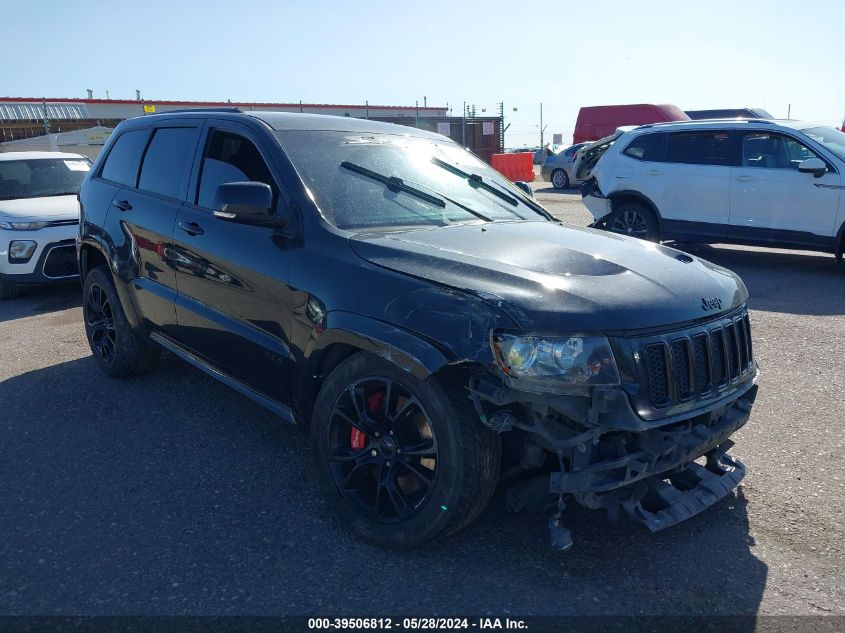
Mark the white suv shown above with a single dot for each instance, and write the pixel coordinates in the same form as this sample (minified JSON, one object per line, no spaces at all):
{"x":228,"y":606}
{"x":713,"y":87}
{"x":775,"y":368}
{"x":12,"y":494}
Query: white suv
{"x":39,"y":217}
{"x":771,"y":183}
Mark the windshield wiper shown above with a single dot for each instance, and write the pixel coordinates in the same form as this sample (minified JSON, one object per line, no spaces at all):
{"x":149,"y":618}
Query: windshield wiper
{"x":476,"y":181}
{"x":394,"y":184}
{"x":397,"y":184}
{"x":533,"y":205}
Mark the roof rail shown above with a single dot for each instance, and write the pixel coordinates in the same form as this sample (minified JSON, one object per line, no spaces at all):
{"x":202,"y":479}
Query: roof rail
{"x":733,"y":120}
{"x":181,"y":110}
{"x":722,"y":120}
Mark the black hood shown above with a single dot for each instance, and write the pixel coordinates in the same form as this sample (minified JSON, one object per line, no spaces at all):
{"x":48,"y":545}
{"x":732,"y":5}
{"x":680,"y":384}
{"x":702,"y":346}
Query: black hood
{"x":552,"y":278}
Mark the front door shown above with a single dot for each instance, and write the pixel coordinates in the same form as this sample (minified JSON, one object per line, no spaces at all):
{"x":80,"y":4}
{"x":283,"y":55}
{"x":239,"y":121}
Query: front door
{"x":693,"y":184}
{"x":772,"y":201}
{"x":233,"y":299}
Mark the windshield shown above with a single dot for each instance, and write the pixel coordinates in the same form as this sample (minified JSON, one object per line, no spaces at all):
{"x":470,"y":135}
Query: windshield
{"x":375,"y":180}
{"x":831,"y":138}
{"x":37,"y":177}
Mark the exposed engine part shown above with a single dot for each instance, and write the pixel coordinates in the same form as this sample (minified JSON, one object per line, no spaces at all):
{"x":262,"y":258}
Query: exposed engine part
{"x":560,"y":539}
{"x":501,"y":421}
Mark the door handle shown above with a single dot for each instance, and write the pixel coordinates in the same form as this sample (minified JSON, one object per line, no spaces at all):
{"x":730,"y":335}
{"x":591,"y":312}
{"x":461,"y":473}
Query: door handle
{"x":191,"y":228}
{"x":655,"y":172}
{"x":744,"y":179}
{"x":123,"y":205}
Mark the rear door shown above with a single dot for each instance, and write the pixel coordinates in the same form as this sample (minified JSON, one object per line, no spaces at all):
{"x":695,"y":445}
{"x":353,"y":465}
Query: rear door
{"x":692,"y":186}
{"x":118,"y":170}
{"x":772,"y":201}
{"x":233,"y":305}
{"x":143,"y":215}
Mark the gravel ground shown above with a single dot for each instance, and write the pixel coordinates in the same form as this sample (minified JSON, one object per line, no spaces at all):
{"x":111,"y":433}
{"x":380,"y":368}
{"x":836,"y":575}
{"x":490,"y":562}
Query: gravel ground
{"x":170,"y":494}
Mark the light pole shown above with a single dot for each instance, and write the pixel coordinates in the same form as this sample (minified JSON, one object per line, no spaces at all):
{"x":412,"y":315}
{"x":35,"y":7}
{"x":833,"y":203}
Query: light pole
{"x":542,"y":127}
{"x":502,"y":127}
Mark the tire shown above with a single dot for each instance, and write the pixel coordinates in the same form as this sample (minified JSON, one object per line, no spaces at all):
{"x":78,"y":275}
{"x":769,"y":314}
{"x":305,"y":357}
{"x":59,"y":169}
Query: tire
{"x":560,"y":179}
{"x":445,"y":444}
{"x":634,"y":219}
{"x":8,"y":290}
{"x":119,"y":349}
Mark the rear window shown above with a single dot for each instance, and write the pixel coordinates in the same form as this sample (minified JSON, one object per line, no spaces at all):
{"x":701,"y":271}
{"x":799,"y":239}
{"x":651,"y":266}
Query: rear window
{"x":167,"y":163}
{"x":122,"y":162}
{"x":699,"y":148}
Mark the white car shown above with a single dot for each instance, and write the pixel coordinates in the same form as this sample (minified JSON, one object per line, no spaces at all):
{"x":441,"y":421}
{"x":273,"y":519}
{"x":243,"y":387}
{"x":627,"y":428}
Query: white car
{"x":39,"y":217}
{"x":764,"y":182}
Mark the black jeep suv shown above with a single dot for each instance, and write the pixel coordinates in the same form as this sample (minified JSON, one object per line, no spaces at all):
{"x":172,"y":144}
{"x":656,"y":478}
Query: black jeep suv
{"x":430,"y":322}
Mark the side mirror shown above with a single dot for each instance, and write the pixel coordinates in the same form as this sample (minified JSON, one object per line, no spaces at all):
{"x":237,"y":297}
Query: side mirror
{"x":243,"y":201}
{"x":526,"y":188}
{"x":813,"y":166}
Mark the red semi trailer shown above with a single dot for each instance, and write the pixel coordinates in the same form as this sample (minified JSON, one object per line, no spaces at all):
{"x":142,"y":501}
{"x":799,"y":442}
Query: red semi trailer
{"x":595,"y":122}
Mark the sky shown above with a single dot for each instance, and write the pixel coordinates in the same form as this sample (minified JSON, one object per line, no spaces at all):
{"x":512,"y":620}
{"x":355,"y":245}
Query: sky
{"x":782,"y":56}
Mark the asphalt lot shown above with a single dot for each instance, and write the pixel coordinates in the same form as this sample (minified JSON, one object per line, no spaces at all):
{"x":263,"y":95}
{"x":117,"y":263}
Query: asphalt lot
{"x":170,"y":494}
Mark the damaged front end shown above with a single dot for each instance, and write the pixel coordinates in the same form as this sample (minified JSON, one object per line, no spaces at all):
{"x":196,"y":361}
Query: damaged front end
{"x":654,"y":445}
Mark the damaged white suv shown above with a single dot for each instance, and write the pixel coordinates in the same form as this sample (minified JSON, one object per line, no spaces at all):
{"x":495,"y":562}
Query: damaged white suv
{"x":771,"y":183}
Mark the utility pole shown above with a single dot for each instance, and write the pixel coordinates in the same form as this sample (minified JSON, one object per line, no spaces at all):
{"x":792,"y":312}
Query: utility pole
{"x":502,"y":127}
{"x":542,"y":127}
{"x":789,"y":111}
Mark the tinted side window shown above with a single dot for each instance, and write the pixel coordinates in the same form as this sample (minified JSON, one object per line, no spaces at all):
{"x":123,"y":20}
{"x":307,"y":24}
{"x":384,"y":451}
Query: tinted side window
{"x":699,"y":148}
{"x":230,"y":158}
{"x":167,"y":163}
{"x":644,"y":147}
{"x":125,"y":155}
{"x":773,"y":151}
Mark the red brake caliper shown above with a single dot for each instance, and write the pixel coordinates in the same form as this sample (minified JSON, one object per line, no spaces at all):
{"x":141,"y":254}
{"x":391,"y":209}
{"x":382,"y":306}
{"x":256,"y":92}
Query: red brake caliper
{"x":357,"y":438}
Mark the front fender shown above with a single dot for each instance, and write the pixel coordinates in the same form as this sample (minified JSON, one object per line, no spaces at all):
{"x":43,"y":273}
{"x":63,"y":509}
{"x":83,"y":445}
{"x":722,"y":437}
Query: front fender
{"x":396,"y":345}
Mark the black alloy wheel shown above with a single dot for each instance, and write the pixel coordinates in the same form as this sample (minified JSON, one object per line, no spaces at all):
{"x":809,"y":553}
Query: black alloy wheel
{"x":100,"y":321}
{"x":117,"y":347}
{"x":382,"y":449}
{"x":635,"y":220}
{"x":630,"y":223}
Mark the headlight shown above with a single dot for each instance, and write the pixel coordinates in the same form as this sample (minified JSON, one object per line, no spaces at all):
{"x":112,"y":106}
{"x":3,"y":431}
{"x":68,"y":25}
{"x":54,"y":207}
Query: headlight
{"x":20,"y":251}
{"x":538,"y":361}
{"x":23,"y":226}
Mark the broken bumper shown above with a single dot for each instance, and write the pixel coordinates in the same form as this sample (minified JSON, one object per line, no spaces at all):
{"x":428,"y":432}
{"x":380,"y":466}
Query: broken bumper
{"x":658,"y":472}
{"x":595,"y":201}
{"x":659,"y":502}
{"x":618,"y":459}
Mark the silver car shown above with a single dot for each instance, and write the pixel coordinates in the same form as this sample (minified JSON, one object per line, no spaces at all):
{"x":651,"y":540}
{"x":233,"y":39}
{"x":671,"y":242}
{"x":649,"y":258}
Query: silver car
{"x":558,"y":167}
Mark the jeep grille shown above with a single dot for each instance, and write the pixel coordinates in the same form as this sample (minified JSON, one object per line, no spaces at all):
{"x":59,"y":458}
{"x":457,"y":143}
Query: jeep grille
{"x":686,"y":366}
